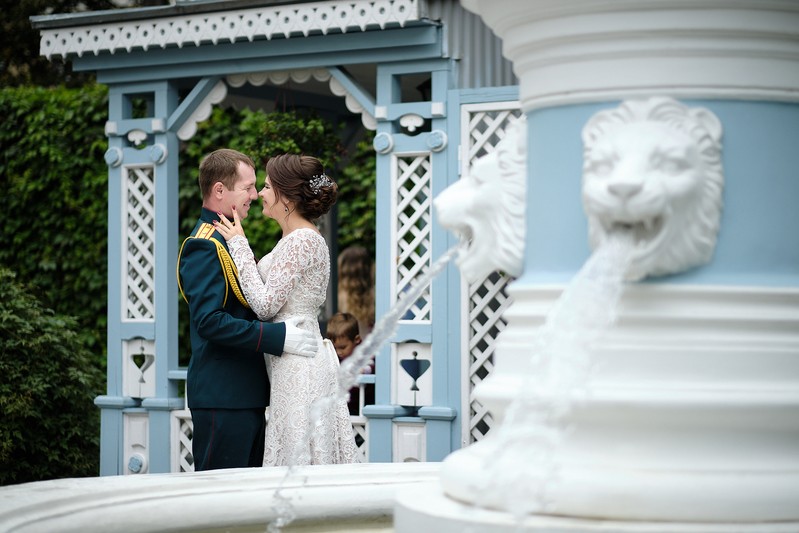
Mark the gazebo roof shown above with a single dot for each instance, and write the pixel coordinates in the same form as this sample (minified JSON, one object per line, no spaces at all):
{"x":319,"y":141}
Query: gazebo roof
{"x":202,"y":22}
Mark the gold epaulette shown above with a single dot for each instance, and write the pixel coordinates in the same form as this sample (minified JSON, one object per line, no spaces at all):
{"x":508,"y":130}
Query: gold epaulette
{"x":206,"y":231}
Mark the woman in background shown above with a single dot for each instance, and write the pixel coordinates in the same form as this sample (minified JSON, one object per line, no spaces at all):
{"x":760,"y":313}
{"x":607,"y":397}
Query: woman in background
{"x":356,"y":286}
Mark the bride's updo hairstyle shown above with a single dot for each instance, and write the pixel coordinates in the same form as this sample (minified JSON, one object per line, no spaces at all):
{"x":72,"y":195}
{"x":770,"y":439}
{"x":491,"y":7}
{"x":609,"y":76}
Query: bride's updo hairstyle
{"x":301,"y":179}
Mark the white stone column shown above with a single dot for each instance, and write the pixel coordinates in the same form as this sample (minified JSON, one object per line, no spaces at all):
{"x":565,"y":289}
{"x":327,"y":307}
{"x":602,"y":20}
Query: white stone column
{"x":692,"y":416}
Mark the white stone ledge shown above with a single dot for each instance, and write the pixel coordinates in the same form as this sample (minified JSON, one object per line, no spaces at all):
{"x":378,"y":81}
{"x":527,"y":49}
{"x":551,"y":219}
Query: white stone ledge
{"x":325,"y":498}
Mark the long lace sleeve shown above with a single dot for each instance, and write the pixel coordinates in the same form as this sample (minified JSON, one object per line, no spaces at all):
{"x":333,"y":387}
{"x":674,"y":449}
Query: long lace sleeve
{"x":268,"y":292}
{"x":263,"y":302}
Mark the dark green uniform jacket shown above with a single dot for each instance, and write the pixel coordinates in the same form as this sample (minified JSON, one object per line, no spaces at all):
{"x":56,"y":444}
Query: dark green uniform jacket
{"x":227,"y":367}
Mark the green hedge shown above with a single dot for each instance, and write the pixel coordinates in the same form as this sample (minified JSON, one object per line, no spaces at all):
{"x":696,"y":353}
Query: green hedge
{"x":55,"y":200}
{"x":49,"y":427}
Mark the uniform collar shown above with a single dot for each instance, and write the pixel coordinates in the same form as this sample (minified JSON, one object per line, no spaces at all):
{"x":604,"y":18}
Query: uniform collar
{"x":208,"y":216}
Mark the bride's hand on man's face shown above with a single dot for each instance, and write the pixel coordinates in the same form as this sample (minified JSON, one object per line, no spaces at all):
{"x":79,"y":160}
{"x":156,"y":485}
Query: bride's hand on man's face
{"x":227,"y":228}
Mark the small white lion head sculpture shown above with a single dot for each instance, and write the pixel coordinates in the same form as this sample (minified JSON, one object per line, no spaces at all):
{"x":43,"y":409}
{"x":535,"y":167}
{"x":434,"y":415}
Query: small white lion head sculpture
{"x":486,"y":208}
{"x":652,"y":169}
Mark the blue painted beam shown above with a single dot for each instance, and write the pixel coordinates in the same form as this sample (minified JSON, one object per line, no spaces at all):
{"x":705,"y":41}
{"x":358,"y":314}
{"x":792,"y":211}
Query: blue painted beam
{"x":280,"y":54}
{"x":412,"y":332}
{"x":190,"y":103}
{"x":137,"y":330}
{"x":260,"y":64}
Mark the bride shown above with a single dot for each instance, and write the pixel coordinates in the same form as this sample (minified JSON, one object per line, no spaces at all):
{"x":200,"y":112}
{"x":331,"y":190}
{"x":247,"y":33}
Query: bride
{"x":291,"y":281}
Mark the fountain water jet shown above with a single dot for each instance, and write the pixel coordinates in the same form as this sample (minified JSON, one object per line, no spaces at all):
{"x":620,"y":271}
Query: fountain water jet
{"x":558,"y":377}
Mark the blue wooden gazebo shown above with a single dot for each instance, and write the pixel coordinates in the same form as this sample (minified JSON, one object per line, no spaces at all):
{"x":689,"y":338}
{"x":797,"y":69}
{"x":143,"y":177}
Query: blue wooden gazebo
{"x":427,"y":76}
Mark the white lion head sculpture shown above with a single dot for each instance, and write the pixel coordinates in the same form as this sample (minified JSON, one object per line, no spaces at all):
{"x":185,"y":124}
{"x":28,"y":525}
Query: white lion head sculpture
{"x":486,"y":208}
{"x":652,"y":169}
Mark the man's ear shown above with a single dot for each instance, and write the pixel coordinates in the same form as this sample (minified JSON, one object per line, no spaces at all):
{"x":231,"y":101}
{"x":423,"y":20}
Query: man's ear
{"x":357,"y":340}
{"x":218,"y":189}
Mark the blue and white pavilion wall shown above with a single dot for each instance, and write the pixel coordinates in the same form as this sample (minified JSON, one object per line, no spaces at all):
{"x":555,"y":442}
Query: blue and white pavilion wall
{"x":206,"y":48}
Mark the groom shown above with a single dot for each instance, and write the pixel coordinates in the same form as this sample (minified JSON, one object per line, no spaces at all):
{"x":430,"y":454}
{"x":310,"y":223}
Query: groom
{"x":227,"y":384}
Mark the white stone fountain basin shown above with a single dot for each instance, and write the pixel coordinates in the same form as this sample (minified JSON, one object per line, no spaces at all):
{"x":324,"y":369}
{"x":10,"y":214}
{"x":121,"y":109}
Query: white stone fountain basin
{"x":427,"y":509}
{"x":358,"y":497}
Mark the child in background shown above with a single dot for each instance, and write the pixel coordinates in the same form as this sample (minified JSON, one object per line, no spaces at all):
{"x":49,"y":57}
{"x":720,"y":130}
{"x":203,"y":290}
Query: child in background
{"x":344,"y":333}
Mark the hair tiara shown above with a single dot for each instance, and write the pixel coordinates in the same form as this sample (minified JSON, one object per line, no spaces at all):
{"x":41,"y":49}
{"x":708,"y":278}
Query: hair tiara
{"x":319,"y":181}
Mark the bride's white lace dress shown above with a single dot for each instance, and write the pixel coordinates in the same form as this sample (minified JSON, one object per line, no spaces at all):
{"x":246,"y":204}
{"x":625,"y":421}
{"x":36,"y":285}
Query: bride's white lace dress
{"x":291,"y":281}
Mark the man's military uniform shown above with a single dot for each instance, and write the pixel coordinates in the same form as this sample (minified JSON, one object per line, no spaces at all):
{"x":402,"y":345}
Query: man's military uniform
{"x":227,"y":384}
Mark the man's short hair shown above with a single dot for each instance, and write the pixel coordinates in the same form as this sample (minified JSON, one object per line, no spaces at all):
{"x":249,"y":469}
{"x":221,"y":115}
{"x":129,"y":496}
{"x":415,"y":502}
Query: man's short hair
{"x":221,"y":165}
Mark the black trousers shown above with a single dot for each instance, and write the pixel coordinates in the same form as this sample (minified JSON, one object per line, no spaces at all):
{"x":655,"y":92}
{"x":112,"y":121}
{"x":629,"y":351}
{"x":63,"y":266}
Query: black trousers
{"x":227,"y":438}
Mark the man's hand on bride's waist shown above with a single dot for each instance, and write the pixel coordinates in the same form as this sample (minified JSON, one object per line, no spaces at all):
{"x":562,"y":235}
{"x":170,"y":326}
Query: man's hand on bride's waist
{"x":299,"y":341}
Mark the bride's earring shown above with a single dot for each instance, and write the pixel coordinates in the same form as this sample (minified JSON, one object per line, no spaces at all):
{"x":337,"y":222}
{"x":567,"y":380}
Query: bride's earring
{"x":286,"y":209}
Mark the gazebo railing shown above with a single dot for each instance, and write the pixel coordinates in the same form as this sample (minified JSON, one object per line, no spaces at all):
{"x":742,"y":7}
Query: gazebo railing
{"x":181,"y":428}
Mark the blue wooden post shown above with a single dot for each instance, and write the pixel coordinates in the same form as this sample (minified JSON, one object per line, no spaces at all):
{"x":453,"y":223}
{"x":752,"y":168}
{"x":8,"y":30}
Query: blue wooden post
{"x":164,"y":155}
{"x":114,"y":402}
{"x":142,"y":306}
{"x":391,"y":143}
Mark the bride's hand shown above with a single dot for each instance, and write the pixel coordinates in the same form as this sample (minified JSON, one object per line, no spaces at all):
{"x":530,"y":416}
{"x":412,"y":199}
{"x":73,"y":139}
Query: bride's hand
{"x":227,"y":228}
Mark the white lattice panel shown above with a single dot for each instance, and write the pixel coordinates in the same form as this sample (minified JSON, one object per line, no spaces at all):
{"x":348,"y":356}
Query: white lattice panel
{"x":413,"y":204}
{"x":360,"y":429}
{"x":182,"y":431}
{"x":483,"y":303}
{"x":138,"y":243}
{"x":482,"y":128}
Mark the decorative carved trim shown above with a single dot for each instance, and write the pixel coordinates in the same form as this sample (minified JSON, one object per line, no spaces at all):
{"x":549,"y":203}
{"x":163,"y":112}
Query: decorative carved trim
{"x":353,"y":104}
{"x":138,"y":136}
{"x":411,"y":121}
{"x":301,"y":76}
{"x":203,"y":111}
{"x":229,"y":26}
{"x":278,"y":77}
{"x":383,"y":143}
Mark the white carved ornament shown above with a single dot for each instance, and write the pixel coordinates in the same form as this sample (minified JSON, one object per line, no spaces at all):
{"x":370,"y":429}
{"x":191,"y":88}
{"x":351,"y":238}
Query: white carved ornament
{"x":228,"y":26}
{"x":486,"y":207}
{"x":652,"y":168}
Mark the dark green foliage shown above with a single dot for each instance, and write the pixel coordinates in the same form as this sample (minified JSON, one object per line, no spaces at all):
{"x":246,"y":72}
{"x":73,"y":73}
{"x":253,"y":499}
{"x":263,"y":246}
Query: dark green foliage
{"x":357,"y":198}
{"x":20,"y":62}
{"x":50,"y":427}
{"x":55,"y":200}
